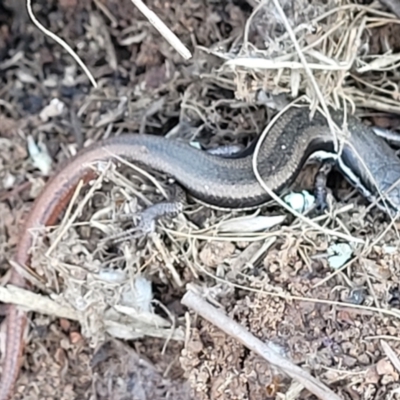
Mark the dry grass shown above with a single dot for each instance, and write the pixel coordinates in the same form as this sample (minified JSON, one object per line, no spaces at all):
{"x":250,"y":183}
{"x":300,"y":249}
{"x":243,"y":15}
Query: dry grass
{"x":336,"y":47}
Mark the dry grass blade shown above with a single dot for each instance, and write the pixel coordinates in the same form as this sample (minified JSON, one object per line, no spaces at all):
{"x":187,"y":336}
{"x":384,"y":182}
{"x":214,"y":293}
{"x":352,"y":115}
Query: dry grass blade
{"x":168,"y":35}
{"x":393,"y":357}
{"x":61,"y":43}
{"x":76,"y":213}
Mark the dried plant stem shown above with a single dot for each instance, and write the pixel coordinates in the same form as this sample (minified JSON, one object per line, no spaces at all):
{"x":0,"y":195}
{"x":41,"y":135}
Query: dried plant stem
{"x":61,"y":42}
{"x":168,"y":35}
{"x":230,"y":327}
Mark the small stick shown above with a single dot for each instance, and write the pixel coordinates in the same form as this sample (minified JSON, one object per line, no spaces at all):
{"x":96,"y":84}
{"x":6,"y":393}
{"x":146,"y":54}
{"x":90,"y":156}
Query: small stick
{"x":230,"y":327}
{"x":168,"y":35}
{"x":36,"y":302}
{"x":133,"y":327}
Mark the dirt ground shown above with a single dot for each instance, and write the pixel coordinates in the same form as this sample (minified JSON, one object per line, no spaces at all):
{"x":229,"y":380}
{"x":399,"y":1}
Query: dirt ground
{"x":279,"y":284}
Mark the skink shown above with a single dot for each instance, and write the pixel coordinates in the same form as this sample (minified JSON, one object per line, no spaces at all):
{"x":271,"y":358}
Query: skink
{"x":365,"y":159}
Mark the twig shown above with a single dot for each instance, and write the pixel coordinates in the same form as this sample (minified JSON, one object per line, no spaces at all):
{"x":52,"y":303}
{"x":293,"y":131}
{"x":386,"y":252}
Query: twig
{"x":168,"y":35}
{"x":230,"y":327}
{"x":36,"y":302}
{"x":130,"y":328}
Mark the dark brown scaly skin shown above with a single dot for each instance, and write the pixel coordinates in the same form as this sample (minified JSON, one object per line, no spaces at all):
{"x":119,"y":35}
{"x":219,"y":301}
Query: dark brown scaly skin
{"x":222,"y":182}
